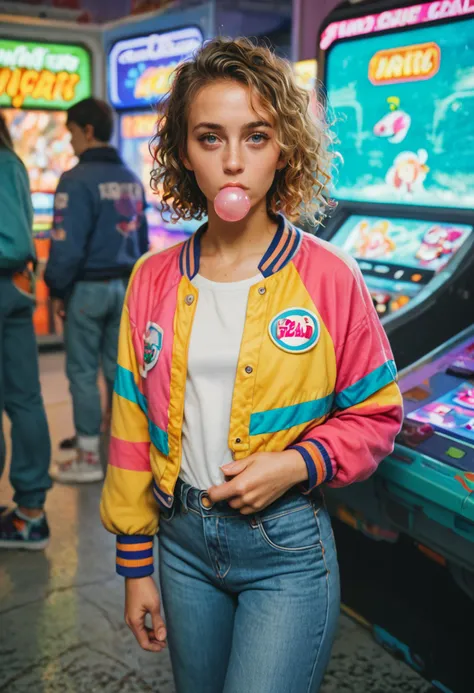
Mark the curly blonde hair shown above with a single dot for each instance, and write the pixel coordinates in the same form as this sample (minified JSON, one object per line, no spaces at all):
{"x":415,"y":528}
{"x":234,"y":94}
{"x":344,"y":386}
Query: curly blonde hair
{"x":304,"y":138}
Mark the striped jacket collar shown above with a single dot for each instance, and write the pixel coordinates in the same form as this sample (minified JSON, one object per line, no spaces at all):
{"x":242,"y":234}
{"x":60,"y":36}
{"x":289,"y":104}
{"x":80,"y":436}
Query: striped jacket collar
{"x":282,"y":249}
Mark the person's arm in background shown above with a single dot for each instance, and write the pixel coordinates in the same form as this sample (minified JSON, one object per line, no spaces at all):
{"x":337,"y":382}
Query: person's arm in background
{"x":368,"y":410}
{"x":143,"y":238}
{"x":23,"y":183}
{"x":72,"y":225}
{"x":16,"y":229}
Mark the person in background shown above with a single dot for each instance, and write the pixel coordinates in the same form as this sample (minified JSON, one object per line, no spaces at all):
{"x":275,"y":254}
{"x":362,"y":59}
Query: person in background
{"x":24,"y":526}
{"x":99,"y":232}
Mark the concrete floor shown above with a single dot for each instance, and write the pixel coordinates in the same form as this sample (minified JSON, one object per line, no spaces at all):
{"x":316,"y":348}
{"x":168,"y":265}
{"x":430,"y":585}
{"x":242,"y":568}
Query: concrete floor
{"x":61,"y":624}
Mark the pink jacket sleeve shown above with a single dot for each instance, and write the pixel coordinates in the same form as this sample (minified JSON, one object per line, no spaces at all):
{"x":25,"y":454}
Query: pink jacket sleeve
{"x":367,"y":412}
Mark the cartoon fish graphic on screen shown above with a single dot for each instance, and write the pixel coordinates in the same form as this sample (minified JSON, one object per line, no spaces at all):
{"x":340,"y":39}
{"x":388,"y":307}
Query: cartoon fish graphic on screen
{"x":393,"y":126}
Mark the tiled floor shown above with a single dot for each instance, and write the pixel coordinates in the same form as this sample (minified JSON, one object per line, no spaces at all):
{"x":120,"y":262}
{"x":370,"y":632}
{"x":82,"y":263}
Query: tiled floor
{"x":61,"y":625}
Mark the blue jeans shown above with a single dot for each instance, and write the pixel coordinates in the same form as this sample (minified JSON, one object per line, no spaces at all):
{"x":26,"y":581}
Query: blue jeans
{"x":91,"y":339}
{"x":20,"y":398}
{"x":251,"y":602}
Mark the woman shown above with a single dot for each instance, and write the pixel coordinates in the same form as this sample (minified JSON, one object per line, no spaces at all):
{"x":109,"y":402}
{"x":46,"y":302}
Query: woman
{"x":252,"y":368}
{"x":24,"y":526}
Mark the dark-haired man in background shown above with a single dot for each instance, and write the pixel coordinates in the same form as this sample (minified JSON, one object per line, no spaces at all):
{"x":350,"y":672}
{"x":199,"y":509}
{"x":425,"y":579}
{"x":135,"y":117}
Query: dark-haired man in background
{"x":99,"y":232}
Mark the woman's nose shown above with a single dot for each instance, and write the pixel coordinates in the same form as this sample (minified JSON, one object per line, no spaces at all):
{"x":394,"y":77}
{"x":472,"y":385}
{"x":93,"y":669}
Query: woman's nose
{"x":233,"y":160}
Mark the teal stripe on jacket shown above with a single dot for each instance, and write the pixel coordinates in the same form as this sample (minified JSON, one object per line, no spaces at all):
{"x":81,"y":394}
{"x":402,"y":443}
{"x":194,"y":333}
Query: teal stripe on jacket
{"x":285,"y":417}
{"x":159,"y":438}
{"x":126,"y":387}
{"x":367,"y":386}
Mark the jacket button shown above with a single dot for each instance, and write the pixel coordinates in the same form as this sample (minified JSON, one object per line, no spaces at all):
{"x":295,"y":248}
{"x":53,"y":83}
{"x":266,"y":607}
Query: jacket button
{"x":262,"y":290}
{"x":248,"y":369}
{"x":189,"y":299}
{"x":238,"y":440}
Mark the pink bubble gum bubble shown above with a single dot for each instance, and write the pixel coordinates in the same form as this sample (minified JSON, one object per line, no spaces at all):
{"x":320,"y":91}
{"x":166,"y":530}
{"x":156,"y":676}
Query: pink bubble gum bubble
{"x":232,"y":204}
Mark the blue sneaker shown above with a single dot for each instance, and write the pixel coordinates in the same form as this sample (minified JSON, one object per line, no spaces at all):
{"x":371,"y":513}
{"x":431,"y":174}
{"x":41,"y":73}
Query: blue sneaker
{"x":19,"y":533}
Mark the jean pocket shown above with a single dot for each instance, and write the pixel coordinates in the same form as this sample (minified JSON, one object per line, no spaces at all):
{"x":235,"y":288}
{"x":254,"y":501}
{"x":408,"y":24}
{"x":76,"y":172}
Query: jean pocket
{"x":89,"y":299}
{"x":296,"y":529}
{"x":166,"y":515}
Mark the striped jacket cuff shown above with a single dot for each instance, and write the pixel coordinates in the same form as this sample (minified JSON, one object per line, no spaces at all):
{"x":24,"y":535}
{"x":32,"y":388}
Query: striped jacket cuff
{"x":318,"y":463}
{"x":135,"y":555}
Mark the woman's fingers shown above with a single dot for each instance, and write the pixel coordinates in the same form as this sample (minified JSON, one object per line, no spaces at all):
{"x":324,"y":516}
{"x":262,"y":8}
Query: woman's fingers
{"x":151,"y":635}
{"x":144,"y":636}
{"x":159,"y":628}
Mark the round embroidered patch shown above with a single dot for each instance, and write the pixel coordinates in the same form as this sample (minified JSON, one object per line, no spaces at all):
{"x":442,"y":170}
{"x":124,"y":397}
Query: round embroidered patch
{"x":295,"y":330}
{"x":153,"y":344}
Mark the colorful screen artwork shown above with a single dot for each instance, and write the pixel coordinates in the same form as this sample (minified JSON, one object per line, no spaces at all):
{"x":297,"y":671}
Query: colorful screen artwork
{"x":43,"y":75}
{"x":453,"y":412}
{"x":420,"y":245}
{"x":42,"y":141}
{"x":403,"y":105}
{"x":136,"y":131}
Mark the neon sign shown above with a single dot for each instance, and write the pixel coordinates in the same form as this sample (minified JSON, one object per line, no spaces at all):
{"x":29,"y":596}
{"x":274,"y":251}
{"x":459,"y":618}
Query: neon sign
{"x":395,"y":19}
{"x":43,"y":75}
{"x":141,"y":68}
{"x":405,"y":64}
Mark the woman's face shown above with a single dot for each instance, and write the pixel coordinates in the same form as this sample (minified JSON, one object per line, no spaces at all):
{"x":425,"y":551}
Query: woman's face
{"x":231,"y":142}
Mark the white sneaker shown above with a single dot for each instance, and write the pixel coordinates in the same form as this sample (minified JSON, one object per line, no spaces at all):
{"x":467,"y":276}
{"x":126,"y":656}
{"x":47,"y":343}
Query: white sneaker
{"x":84,"y":469}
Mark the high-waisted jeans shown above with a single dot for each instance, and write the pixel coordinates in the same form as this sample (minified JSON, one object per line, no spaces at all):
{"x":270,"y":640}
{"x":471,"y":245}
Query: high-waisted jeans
{"x":251,"y":602}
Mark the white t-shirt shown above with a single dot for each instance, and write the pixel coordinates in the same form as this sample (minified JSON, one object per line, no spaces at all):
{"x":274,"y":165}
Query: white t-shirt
{"x":212,"y":365}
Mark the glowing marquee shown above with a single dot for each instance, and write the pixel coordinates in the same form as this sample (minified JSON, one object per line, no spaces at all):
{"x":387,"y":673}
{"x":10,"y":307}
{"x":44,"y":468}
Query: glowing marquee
{"x":395,"y":19}
{"x":141,"y":68}
{"x":43,"y":75}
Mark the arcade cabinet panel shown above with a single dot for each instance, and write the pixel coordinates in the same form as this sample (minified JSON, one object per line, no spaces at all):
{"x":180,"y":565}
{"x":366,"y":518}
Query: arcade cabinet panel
{"x":399,"y":256}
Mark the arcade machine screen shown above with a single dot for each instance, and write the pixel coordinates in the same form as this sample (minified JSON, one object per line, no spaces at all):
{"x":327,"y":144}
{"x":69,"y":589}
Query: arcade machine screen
{"x":438,"y":398}
{"x":404,"y":110}
{"x":136,"y":131}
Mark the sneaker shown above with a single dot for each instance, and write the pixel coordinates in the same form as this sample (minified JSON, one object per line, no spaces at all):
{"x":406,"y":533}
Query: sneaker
{"x":68,"y":443}
{"x":20,"y":533}
{"x":83,"y":469}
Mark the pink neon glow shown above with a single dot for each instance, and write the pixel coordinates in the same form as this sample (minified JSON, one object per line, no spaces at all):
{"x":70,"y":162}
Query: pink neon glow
{"x":395,"y":19}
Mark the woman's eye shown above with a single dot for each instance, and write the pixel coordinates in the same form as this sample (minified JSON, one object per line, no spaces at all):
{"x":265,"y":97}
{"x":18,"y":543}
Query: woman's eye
{"x":258,"y":137}
{"x":209,"y":138}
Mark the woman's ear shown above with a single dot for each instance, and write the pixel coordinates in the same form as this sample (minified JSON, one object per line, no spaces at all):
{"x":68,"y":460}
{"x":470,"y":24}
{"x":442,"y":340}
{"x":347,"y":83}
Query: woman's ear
{"x":281,"y":163}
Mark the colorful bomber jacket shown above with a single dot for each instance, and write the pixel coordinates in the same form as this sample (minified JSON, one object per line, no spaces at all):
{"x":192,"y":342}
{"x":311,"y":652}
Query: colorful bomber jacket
{"x":315,"y":373}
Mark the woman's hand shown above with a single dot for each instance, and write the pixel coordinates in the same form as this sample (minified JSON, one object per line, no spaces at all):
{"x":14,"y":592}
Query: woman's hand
{"x":258,"y":480}
{"x":142,"y":598}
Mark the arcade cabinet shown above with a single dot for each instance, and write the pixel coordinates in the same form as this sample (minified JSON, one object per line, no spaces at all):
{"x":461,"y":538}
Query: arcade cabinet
{"x":401,"y":99}
{"x":399,"y":90}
